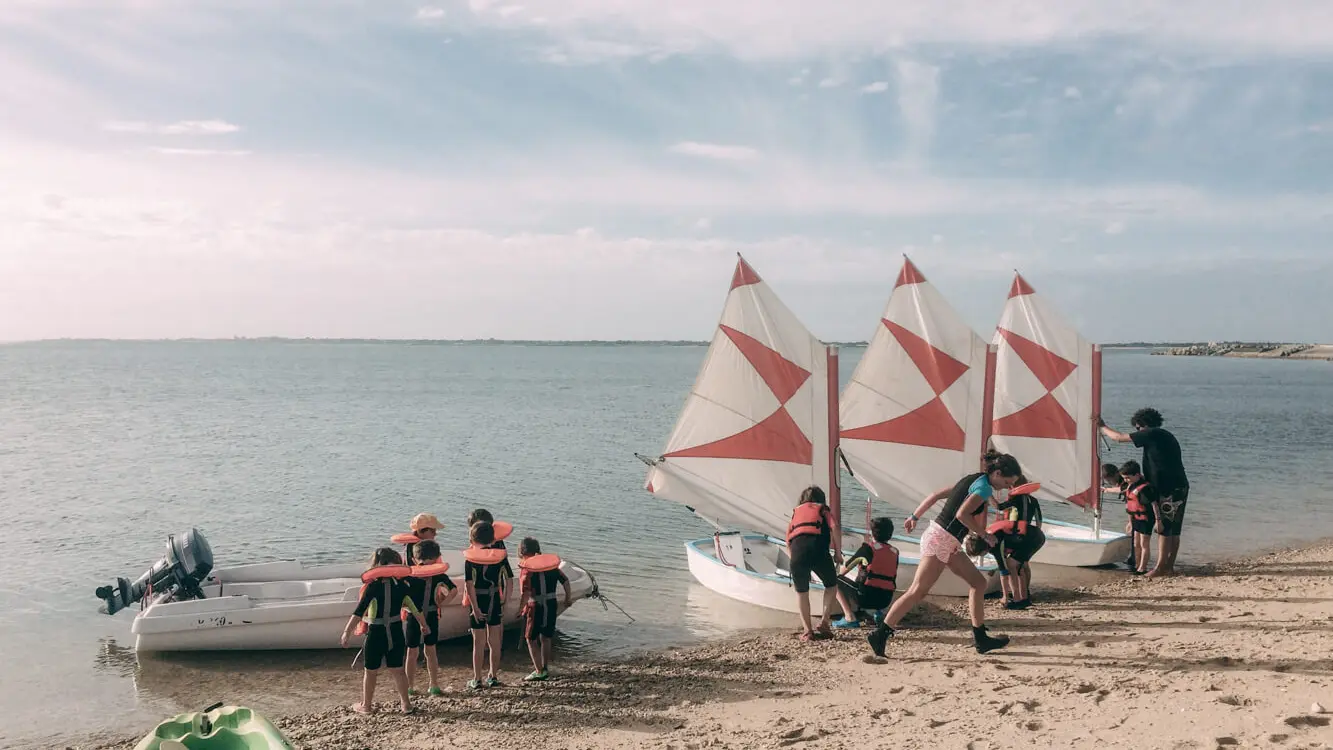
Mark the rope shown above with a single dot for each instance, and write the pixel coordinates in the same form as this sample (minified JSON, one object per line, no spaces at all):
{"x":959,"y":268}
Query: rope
{"x":597,"y":594}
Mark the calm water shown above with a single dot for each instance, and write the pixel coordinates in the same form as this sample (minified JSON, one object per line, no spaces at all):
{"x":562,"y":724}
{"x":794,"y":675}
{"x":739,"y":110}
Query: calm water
{"x":320,"y":451}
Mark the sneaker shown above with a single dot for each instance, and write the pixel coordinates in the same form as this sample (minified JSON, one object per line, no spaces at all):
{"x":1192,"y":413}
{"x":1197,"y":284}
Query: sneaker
{"x":412,"y":692}
{"x":436,"y":692}
{"x":493,"y":681}
{"x":879,"y":639}
{"x":474,"y":685}
{"x":985,"y":642}
{"x":847,"y":624}
{"x":535,"y":677}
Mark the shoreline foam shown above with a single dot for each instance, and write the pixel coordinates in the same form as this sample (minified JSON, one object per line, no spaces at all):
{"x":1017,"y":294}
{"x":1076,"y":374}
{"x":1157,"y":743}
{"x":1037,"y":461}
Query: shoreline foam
{"x":1235,"y":654}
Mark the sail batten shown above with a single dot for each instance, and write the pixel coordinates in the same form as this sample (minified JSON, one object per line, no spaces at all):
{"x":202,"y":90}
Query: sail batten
{"x":754,"y":430}
{"x":1047,"y":389}
{"x":912,"y":414}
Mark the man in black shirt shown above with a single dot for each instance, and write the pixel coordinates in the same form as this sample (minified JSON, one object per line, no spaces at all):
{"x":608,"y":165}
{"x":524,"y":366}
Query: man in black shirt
{"x":1164,"y":470}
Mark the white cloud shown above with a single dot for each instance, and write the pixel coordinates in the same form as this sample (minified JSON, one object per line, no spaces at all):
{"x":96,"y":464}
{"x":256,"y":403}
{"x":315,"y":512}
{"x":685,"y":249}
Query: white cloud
{"x":1115,"y":227}
{"x":918,"y":92}
{"x":199,"y":152}
{"x":830,"y":83}
{"x":183,"y":127}
{"x":703,"y":224}
{"x":878,"y":87}
{"x":430,"y":13}
{"x":721,"y":152}
{"x":1072,"y":92}
{"x":764,"y":30}
{"x":799,"y":78}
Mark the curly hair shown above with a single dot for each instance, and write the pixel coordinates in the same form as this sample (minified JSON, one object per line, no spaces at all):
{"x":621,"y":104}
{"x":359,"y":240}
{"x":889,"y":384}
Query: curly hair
{"x":1146,"y":417}
{"x":1004,"y":463}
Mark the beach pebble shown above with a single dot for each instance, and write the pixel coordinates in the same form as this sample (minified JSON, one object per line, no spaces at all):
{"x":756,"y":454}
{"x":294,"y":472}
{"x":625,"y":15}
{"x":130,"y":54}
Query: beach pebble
{"x":1225,"y":741}
{"x":1315,"y":708}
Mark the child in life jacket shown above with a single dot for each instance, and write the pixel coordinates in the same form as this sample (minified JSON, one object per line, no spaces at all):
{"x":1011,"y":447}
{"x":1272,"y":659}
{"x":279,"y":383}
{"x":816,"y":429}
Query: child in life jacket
{"x":878,"y":577}
{"x":424,"y":528}
{"x":538,"y":577}
{"x":382,"y":600}
{"x":485,"y":584}
{"x":1112,"y":484}
{"x":1018,"y":537}
{"x":429,"y":595}
{"x":1141,"y":503}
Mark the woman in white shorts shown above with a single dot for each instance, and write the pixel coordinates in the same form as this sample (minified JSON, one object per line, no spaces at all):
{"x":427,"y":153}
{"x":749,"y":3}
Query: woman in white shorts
{"x":942,"y":547}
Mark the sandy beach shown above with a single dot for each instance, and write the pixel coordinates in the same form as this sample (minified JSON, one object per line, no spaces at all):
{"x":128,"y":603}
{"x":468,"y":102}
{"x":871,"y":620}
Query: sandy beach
{"x":1238,"y":654}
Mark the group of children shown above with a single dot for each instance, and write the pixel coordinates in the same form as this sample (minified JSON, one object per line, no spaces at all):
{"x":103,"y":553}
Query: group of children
{"x":417,"y":583}
{"x":1142,"y":505}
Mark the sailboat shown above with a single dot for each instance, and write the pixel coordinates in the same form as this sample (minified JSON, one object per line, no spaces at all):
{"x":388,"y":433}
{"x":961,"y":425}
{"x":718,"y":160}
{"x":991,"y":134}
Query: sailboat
{"x":1048,"y":388}
{"x":916,"y":413}
{"x":760,"y":425}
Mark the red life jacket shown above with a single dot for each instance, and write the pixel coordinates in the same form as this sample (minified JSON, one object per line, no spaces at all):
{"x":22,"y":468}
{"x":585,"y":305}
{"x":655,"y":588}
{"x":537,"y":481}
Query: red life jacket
{"x":1135,"y":507}
{"x":1016,"y":528}
{"x":808,"y":518}
{"x":882,"y":572}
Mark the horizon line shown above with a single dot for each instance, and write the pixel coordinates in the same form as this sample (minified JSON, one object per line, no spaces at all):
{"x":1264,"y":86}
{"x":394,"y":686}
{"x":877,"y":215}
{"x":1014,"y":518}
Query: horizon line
{"x":548,"y":342}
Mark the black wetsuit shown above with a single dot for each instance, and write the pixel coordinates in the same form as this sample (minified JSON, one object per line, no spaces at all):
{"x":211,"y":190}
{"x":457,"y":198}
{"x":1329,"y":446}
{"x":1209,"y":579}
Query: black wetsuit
{"x":385,"y":645}
{"x":948,"y":517}
{"x":1020,"y":547}
{"x":422,"y":591}
{"x":867,"y":597}
{"x":544,"y":590}
{"x":487,"y":580}
{"x":1165,"y":471}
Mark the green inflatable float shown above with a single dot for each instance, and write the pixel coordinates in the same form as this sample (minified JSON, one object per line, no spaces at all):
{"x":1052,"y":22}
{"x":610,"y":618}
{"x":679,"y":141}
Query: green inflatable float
{"x":217,"y":727}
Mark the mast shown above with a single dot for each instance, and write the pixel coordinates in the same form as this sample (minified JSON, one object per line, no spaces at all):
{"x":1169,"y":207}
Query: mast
{"x":834,"y":488}
{"x":1096,"y":454}
{"x":988,"y":400}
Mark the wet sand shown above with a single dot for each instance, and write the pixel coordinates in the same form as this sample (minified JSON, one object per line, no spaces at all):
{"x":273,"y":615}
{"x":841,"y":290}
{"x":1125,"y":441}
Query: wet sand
{"x":1237,"y":654}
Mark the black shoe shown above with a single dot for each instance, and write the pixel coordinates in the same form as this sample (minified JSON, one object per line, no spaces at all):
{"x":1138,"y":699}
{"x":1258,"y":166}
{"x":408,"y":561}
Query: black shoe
{"x":879,"y":639}
{"x":985,"y":642}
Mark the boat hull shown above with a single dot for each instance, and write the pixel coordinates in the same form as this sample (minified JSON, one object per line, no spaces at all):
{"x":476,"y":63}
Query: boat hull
{"x":763,"y":579}
{"x":1067,"y":544}
{"x":287,"y":606}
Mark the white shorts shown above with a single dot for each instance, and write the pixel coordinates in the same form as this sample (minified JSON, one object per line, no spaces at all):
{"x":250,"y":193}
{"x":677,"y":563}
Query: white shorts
{"x":938,"y":543}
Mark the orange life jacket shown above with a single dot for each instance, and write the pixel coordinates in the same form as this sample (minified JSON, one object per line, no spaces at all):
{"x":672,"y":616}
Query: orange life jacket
{"x":808,"y":518}
{"x":1007,"y":526}
{"x":533,"y":567}
{"x":482,"y":556}
{"x":1133,"y":505}
{"x":502,"y":530}
{"x":540,"y":563}
{"x":386,"y":572}
{"x":882,"y":572}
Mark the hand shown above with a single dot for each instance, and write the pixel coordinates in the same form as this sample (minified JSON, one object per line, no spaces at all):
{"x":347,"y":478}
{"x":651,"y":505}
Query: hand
{"x":421,"y":620}
{"x":568,"y":601}
{"x":343,"y":641}
{"x":837,"y":556}
{"x":909,"y":525}
{"x":1129,"y":527}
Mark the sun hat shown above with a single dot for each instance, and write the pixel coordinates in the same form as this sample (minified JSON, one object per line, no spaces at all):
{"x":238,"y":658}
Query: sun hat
{"x":426,"y":521}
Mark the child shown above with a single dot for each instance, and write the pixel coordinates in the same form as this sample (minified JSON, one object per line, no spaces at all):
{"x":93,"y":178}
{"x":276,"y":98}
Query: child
{"x":536,"y":588}
{"x":382,"y":600}
{"x":429,"y":595}
{"x":424,"y":527}
{"x":501,"y":530}
{"x":485,"y":583}
{"x":1018,"y":536}
{"x":878,"y":578}
{"x":1142,"y":504}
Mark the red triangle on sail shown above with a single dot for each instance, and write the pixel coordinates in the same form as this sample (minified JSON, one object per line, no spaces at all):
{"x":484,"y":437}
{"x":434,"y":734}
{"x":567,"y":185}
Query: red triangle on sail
{"x":744,"y":275}
{"x":939,"y":369}
{"x":650,"y":486}
{"x":777,"y":438}
{"x":1045,"y":418}
{"x":929,"y":426}
{"x":783,"y":376}
{"x":909,"y":275}
{"x":1085,"y":498}
{"x":1050,"y":368}
{"x":1020,"y":287}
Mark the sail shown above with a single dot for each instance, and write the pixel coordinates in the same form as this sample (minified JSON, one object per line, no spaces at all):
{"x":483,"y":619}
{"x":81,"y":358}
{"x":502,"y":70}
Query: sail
{"x":912,"y":415}
{"x":1047,"y":392}
{"x":755,"y":428}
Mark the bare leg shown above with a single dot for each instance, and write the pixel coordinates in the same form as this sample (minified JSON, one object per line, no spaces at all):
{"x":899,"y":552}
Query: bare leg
{"x":400,"y":681}
{"x":1027,"y":580}
{"x":478,"y":652}
{"x":835,"y":593}
{"x":803,"y":601}
{"x":927,"y":573}
{"x":368,"y":689}
{"x":410,"y":666}
{"x":1162,"y":553}
{"x":546,"y":652}
{"x":962,"y":567}
{"x":432,"y":665}
{"x":535,"y":651}
{"x":1007,"y":588}
{"x":494,"y":634}
{"x":1173,"y":547}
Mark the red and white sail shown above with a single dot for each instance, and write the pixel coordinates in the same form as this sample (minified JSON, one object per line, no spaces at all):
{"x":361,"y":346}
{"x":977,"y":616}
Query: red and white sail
{"x":913,"y":415}
{"x":755,"y":430}
{"x":1047,"y":392}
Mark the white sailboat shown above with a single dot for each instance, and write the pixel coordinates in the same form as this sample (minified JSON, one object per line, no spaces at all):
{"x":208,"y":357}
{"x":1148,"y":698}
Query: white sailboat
{"x":915,"y":414}
{"x":759,"y":426}
{"x":1048,"y":384}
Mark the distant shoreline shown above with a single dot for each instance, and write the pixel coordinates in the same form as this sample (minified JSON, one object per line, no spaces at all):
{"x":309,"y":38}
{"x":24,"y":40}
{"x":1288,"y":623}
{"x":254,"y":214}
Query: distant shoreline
{"x":1252,"y":351}
{"x":1173,"y":347}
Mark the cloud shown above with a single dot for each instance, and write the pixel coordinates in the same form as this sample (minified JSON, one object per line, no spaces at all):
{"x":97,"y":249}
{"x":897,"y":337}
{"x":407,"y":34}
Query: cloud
{"x":918,"y":92}
{"x":718,"y":151}
{"x":199,"y":152}
{"x":830,"y":83}
{"x":878,"y":87}
{"x":763,"y":30}
{"x":799,"y":78}
{"x":1115,"y":227}
{"x":1072,"y":92}
{"x":703,"y":224}
{"x":183,"y":127}
{"x":430,"y":13}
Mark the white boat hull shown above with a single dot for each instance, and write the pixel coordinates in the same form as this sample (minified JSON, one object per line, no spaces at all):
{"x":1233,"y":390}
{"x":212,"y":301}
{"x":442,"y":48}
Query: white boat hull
{"x":1067,"y":544}
{"x":763,"y":579}
{"x":285,"y":605}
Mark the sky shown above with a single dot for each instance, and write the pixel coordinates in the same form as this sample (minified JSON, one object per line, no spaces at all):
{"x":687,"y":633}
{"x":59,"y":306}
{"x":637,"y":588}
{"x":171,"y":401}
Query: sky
{"x":588,"y":169}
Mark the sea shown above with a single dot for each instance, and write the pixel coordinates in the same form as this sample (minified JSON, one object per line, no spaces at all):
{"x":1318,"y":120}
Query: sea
{"x":320,"y":451}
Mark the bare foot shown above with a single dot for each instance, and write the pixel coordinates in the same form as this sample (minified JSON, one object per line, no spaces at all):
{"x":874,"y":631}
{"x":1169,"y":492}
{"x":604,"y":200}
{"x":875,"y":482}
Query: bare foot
{"x":362,"y":709}
{"x":408,"y":709}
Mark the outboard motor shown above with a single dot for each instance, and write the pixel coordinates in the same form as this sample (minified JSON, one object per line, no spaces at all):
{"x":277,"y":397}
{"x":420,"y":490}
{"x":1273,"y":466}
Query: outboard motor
{"x":188,"y":562}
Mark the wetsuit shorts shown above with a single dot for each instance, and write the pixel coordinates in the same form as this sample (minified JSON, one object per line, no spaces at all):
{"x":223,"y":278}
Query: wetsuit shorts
{"x":867,"y":597}
{"x":1022,"y":550}
{"x":385,"y":647}
{"x":492,"y":610}
{"x":1173,"y":522}
{"x":415,"y":638}
{"x":541,"y":622}
{"x":809,"y":554}
{"x":1145,"y":527}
